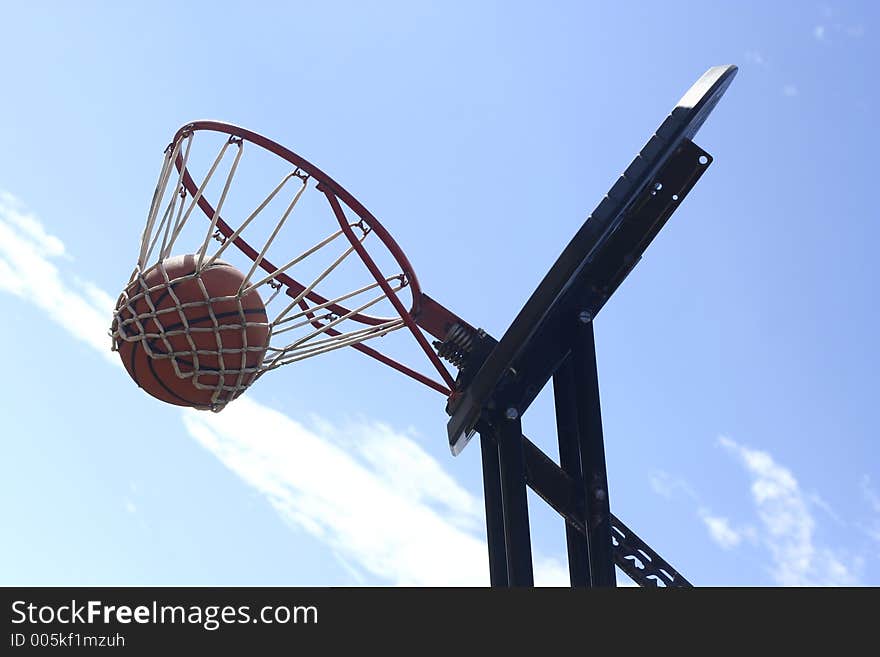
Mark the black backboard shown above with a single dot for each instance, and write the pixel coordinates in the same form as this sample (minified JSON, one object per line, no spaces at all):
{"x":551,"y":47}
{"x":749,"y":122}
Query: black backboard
{"x":600,"y":255}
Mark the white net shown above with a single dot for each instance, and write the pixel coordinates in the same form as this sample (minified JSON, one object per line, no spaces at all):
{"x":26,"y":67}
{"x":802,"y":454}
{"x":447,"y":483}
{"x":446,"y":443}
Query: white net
{"x":191,"y":326}
{"x":298,"y":252}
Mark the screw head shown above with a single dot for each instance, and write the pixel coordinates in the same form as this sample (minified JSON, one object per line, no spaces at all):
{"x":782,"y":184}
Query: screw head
{"x":511,"y":413}
{"x":585,"y":317}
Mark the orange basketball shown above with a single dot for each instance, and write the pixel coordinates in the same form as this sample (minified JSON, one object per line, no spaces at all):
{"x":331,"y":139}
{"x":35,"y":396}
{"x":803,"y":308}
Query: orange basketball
{"x":187,"y":337}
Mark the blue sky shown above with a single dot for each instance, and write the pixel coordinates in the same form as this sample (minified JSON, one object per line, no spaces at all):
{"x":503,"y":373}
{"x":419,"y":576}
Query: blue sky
{"x":738,"y":363}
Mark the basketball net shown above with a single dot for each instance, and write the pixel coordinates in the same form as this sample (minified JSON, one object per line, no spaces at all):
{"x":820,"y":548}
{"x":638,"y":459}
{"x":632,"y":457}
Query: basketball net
{"x":302,"y":322}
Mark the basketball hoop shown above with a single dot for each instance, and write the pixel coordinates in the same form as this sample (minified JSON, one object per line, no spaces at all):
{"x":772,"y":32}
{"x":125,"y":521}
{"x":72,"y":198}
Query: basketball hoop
{"x":194,"y":327}
{"x":292,"y":267}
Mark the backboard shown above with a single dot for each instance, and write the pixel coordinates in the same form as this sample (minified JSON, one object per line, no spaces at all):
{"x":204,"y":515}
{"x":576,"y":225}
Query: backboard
{"x":598,"y":258}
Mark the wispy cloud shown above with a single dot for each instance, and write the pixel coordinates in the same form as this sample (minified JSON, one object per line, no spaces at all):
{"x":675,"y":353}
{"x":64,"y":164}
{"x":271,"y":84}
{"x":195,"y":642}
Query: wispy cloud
{"x":379,"y":501}
{"x":855,"y":31}
{"x":321,"y":487}
{"x":823,"y":31}
{"x":720,"y":530}
{"x":788,"y":525}
{"x":785,"y":525}
{"x":790,"y":90}
{"x":410,"y":471}
{"x":871,"y":496}
{"x":28,"y":271}
{"x":667,"y":485}
{"x":373,"y":495}
{"x":14,"y":214}
{"x":820,"y":503}
{"x":724,"y":533}
{"x":755,"y":57}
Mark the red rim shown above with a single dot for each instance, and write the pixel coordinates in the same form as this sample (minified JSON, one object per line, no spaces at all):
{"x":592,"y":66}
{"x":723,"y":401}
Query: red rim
{"x":333,"y":191}
{"x":326,"y":183}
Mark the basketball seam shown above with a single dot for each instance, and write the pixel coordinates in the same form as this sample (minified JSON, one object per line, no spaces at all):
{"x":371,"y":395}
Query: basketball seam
{"x":133,"y":361}
{"x":151,"y":341}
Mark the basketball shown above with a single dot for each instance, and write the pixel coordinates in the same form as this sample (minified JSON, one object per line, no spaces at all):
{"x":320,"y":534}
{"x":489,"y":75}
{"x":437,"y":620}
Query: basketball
{"x":188,"y":337}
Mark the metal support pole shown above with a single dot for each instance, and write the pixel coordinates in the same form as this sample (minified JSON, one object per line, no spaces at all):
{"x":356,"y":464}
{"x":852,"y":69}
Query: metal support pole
{"x":592,"y":454}
{"x":494,"y":512}
{"x":513,"y":499}
{"x":566,"y":400}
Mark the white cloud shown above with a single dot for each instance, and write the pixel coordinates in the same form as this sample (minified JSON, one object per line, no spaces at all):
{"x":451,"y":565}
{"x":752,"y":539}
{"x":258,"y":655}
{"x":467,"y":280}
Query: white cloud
{"x":790,"y":90}
{"x":27,"y":271}
{"x":855,"y":31}
{"x":788,"y":526}
{"x":403,"y":527}
{"x":719,"y":528}
{"x":412,"y":471}
{"x":872,"y":529}
{"x":321,"y":488}
{"x":666,"y":485}
{"x":552,"y":572}
{"x":819,"y":502}
{"x":12,"y":211}
{"x":822,"y":32}
{"x":755,"y":57}
{"x":381,"y":503}
{"x":870,"y":495}
{"x":721,"y":531}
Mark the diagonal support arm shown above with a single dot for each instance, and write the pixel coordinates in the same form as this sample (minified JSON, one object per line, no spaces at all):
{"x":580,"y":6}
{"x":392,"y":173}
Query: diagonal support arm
{"x":631,"y":554}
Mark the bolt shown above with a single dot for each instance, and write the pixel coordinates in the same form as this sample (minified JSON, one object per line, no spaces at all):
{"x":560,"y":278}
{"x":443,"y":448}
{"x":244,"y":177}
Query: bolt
{"x":585,"y":317}
{"x":599,"y":494}
{"x":511,"y":413}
